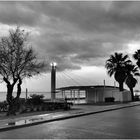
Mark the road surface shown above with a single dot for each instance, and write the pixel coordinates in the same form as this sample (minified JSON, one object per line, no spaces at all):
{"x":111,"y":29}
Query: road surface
{"x":122,"y":123}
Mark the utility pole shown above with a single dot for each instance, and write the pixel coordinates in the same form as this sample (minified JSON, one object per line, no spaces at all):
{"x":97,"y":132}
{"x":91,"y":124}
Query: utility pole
{"x":104,"y":83}
{"x":53,"y":81}
{"x":26,"y":93}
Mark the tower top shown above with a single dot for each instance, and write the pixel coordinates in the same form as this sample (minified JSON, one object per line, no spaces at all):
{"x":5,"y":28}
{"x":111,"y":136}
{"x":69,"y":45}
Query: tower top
{"x":53,"y":64}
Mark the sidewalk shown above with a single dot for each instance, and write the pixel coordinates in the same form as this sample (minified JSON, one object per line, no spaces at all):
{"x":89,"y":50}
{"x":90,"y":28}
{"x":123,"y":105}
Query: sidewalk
{"x":76,"y":111}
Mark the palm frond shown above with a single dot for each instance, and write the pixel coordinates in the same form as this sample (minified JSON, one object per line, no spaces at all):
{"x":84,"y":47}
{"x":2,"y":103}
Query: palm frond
{"x":111,"y":72}
{"x":125,"y":57}
{"x":137,"y":74}
{"x":136,"y":55}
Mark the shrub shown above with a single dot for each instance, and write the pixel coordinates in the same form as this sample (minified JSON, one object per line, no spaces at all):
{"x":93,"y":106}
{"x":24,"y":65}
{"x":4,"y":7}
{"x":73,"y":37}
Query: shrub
{"x":3,"y":106}
{"x":36,"y":99}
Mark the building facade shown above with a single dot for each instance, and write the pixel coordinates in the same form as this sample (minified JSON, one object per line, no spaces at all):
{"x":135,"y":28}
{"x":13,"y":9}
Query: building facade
{"x":96,"y":94}
{"x":99,"y":93}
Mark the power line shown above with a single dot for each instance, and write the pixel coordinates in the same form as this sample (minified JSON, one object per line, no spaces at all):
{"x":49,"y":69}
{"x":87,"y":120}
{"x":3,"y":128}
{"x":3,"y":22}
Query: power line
{"x":77,"y":83}
{"x":84,"y":79}
{"x":61,"y":79}
{"x":79,"y":78}
{"x":69,"y":81}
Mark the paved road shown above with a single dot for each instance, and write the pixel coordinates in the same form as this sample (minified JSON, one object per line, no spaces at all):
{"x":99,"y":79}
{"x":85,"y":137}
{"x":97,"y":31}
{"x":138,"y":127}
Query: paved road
{"x":123,"y":123}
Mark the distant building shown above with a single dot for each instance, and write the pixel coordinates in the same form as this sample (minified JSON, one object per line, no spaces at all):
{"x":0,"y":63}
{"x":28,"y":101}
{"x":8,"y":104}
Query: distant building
{"x":95,"y":94}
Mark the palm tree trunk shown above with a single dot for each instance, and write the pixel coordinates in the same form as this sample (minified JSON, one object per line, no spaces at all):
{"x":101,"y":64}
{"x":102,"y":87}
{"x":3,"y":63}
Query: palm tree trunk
{"x":121,"y":86}
{"x":132,"y":94}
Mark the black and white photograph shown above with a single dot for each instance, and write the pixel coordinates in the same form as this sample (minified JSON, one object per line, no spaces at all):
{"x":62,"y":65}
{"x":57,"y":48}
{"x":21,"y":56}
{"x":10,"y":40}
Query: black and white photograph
{"x":69,"y":69}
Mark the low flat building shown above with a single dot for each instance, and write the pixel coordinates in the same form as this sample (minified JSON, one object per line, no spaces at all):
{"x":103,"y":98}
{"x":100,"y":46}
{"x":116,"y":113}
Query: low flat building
{"x":95,"y":94}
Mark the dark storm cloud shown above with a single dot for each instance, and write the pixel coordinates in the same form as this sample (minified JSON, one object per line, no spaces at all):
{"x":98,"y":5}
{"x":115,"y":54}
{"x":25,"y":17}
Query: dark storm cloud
{"x":17,"y":13}
{"x":95,"y":16}
{"x":76,"y":33}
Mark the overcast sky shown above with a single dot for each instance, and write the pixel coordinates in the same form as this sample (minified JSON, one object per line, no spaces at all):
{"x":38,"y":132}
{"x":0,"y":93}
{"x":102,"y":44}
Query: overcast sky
{"x":79,"y":36}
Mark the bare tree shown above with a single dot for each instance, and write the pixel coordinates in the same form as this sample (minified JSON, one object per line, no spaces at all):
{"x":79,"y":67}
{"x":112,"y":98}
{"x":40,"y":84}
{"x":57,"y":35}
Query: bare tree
{"x":17,"y":61}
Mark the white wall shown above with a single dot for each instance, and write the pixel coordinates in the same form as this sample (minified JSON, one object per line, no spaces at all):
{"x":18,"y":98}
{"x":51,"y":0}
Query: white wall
{"x":126,"y":96}
{"x":91,"y":96}
{"x":100,"y":93}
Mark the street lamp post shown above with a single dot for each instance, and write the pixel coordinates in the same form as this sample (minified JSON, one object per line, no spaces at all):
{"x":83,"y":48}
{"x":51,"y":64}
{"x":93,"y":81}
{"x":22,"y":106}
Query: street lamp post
{"x":53,"y":80}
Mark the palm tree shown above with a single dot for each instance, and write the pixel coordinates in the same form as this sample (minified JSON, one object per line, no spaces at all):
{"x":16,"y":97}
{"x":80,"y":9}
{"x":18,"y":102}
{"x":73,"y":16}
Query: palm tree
{"x":136,"y":56}
{"x":130,"y":81}
{"x":116,"y":66}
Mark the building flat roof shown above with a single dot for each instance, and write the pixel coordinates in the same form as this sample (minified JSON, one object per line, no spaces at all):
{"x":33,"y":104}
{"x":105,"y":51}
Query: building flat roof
{"x":84,"y":87}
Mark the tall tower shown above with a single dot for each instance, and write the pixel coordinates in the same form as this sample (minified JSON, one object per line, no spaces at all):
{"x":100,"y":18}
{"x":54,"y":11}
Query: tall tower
{"x":53,"y":80}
